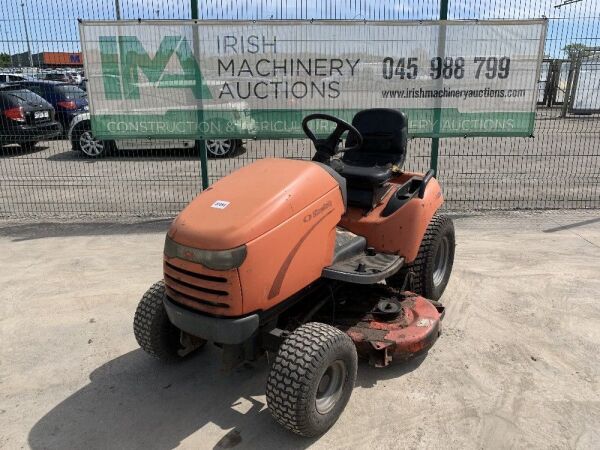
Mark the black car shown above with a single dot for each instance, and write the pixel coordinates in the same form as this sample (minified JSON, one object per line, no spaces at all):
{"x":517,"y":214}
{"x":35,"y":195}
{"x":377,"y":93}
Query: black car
{"x":67,"y":99}
{"x":25,"y":117}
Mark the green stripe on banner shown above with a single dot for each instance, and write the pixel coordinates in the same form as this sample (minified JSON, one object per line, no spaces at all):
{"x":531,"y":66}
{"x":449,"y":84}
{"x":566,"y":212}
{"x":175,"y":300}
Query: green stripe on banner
{"x":282,"y":123}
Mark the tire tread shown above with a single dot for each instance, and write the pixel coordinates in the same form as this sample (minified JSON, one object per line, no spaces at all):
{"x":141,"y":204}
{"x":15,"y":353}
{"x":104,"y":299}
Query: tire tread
{"x":152,"y":329}
{"x":422,"y":267}
{"x":295,"y":365}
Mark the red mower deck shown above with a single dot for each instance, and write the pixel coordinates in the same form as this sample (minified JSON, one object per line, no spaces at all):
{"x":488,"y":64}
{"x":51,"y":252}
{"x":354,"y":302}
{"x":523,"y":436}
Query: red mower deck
{"x":402,"y":335}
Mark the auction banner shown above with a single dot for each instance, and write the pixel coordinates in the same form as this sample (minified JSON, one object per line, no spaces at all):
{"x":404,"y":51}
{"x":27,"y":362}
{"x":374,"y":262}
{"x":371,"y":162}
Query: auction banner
{"x":258,"y":79}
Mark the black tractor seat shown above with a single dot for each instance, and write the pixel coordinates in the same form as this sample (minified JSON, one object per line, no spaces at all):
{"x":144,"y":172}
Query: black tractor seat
{"x":369,"y":168}
{"x":367,"y":175}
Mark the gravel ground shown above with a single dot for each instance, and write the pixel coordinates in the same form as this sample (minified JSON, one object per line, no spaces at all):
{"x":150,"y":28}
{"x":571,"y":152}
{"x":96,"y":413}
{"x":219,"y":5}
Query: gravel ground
{"x":516,"y":367}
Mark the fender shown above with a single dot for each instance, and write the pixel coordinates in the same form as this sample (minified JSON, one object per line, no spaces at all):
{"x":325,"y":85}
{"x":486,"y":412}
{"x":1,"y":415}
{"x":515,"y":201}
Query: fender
{"x":76,"y":121}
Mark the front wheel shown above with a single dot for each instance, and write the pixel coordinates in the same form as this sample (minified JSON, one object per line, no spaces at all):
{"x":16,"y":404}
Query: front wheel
{"x":155,"y":333}
{"x":84,"y":141}
{"x":311,"y":379}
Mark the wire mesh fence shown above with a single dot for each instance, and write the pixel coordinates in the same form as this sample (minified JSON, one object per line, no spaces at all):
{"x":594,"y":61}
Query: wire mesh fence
{"x":72,"y":174}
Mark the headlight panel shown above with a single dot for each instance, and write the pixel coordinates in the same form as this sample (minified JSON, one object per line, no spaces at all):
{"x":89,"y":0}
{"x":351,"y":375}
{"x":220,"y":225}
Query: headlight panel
{"x":213,"y":259}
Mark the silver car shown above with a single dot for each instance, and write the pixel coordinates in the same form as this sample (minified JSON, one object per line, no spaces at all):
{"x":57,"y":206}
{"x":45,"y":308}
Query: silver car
{"x":82,"y":140}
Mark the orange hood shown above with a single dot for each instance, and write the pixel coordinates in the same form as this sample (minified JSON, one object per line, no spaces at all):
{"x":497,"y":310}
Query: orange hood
{"x":250,"y":202}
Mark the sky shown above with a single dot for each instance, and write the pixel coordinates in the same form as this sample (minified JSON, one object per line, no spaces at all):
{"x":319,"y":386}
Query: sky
{"x":52,"y":24}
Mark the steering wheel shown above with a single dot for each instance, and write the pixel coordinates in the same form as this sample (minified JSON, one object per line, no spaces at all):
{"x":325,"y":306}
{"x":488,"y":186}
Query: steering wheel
{"x":328,"y":147}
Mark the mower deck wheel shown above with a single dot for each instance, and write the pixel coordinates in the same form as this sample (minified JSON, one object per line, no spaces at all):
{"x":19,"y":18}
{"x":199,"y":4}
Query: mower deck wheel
{"x":311,"y":379}
{"x":155,"y":333}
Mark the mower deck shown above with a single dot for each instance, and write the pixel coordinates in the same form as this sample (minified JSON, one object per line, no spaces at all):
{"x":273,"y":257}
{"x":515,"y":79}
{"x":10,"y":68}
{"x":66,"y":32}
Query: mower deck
{"x":396,"y":325}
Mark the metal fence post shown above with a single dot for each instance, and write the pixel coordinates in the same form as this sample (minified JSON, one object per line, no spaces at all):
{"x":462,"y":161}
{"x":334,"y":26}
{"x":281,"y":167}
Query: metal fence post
{"x":117,"y":10}
{"x":567,"y":97}
{"x":200,"y":144}
{"x":437,"y":112}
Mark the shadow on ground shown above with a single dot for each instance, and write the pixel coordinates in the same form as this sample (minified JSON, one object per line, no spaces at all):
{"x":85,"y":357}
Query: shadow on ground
{"x":30,"y":231}
{"x":27,"y":232}
{"x":572,"y":225}
{"x":136,"y":402}
{"x":11,"y":151}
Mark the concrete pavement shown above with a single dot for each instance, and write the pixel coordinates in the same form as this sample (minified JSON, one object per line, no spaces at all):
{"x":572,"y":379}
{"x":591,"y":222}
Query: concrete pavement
{"x":516,"y":367}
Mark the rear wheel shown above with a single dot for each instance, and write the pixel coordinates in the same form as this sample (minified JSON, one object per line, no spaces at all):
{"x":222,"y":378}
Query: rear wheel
{"x":311,"y":379}
{"x":430,"y":271}
{"x":155,"y":334}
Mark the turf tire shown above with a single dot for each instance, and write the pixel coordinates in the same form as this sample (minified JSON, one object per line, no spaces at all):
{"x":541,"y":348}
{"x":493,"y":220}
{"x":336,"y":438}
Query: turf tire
{"x":153,"y":331}
{"x":424,"y":265}
{"x":297,"y":371}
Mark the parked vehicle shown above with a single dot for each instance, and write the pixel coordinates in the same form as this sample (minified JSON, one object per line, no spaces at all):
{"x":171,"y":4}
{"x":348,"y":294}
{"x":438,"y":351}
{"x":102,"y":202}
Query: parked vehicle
{"x":12,"y":77}
{"x":82,"y":140}
{"x":75,"y":76}
{"x":57,"y":76}
{"x":25,"y":117}
{"x":68,"y":100}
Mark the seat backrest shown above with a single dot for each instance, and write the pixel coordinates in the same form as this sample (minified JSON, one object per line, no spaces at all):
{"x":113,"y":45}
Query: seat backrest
{"x":385,"y":133}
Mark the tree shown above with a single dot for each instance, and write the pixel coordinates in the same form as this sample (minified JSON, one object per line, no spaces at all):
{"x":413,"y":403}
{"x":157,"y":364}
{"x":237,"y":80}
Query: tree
{"x":574,"y":49}
{"x":4,"y":59}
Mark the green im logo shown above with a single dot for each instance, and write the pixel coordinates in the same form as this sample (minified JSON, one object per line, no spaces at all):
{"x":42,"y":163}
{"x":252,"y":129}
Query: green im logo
{"x":123,"y":57}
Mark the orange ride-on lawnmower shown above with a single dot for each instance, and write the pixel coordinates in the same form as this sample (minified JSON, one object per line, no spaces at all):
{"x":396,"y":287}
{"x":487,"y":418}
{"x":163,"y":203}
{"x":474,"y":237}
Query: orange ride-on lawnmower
{"x":289,"y":258}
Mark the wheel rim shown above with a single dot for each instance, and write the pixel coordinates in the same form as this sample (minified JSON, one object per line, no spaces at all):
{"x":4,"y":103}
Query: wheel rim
{"x":330,"y":387}
{"x":90,"y":145}
{"x":218,"y":147}
{"x":441,"y":261}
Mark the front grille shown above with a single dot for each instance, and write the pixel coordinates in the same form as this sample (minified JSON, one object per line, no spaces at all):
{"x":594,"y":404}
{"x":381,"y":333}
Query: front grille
{"x":196,"y":289}
{"x":197,"y":275}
